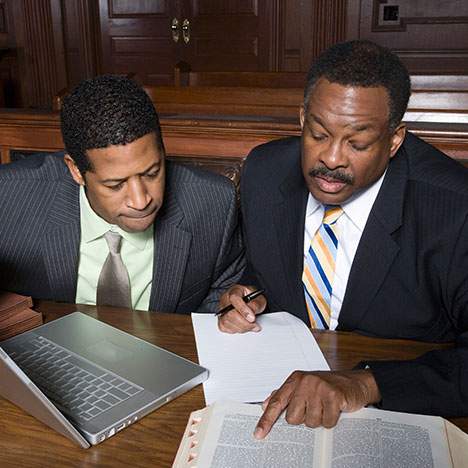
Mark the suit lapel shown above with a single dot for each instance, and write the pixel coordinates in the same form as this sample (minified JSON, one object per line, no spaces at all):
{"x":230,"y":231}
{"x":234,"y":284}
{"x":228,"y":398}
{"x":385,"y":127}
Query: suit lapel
{"x":289,"y":225}
{"x":62,"y":241}
{"x":171,"y":252}
{"x":377,"y":249}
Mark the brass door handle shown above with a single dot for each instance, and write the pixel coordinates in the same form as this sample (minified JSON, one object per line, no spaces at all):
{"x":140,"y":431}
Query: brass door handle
{"x":175,"y":30}
{"x":186,"y":30}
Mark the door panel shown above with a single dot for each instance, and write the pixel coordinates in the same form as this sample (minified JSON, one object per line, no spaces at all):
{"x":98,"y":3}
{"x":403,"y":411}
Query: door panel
{"x":231,"y":35}
{"x":136,"y":37}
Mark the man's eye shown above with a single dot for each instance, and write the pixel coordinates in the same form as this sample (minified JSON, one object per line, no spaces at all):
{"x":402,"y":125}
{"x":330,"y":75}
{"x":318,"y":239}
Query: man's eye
{"x":359,"y":147}
{"x":115,"y":187}
{"x":318,"y":137}
{"x":152,"y":174}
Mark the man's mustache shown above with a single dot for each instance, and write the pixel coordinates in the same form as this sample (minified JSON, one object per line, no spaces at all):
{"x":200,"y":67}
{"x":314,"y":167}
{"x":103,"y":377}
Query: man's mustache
{"x":338,"y":175}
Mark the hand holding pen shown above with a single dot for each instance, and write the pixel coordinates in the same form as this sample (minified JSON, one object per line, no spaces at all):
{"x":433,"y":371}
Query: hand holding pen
{"x":239,"y":307}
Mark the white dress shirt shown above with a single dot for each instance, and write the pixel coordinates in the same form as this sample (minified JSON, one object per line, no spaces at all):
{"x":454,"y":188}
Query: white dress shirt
{"x":350,"y":226}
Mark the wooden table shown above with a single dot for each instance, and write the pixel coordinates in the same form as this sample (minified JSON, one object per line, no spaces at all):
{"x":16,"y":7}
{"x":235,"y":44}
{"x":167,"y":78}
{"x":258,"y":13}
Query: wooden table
{"x":153,"y":441}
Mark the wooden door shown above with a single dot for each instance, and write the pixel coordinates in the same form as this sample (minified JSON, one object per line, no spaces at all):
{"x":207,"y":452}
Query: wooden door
{"x":136,"y":37}
{"x":230,"y":35}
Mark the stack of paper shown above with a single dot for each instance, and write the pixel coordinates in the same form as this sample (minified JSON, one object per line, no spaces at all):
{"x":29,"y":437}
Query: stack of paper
{"x":248,"y":367}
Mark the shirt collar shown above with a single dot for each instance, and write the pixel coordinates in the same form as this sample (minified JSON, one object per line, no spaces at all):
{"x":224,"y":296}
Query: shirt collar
{"x":93,"y":226}
{"x":357,"y":208}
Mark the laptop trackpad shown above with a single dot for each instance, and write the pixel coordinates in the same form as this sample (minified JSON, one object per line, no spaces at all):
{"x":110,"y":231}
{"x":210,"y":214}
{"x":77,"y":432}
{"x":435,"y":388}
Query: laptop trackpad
{"x":108,"y":351}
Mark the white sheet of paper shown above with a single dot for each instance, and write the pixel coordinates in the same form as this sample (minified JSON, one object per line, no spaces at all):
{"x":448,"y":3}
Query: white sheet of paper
{"x":248,"y":367}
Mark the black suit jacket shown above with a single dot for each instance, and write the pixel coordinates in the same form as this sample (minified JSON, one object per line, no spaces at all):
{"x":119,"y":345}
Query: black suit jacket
{"x":409,"y":278}
{"x":197,"y":244}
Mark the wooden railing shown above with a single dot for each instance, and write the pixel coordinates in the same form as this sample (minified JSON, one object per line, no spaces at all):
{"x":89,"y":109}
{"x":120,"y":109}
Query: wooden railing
{"x":218,"y":143}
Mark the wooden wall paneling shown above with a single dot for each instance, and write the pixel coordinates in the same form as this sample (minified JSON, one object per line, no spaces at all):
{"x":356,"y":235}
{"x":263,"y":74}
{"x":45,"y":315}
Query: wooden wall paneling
{"x":10,"y":90}
{"x":41,"y":60}
{"x":61,"y":69}
{"x":309,"y":28}
{"x":43,"y":71}
{"x":3,"y":24}
{"x":88,"y":12}
{"x":328,"y":27}
{"x":71,"y":32}
{"x":290,"y":49}
{"x":81,"y":35}
{"x":353,"y":15}
{"x":429,"y":36}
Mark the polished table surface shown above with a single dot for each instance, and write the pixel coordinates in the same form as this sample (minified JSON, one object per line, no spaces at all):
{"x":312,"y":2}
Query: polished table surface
{"x":153,"y":441}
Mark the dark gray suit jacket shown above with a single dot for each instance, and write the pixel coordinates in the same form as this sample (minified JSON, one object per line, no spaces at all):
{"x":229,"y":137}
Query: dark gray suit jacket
{"x":197,"y":244}
{"x":409,"y":278}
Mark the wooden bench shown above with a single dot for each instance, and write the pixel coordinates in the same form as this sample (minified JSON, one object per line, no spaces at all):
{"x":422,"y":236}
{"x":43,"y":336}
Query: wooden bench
{"x":183,"y":76}
{"x":219,"y":145}
{"x":439,"y":82}
{"x":435,"y":98}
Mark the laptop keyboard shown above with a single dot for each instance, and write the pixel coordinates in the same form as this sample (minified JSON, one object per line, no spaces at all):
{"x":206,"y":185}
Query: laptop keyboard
{"x":77,"y":386}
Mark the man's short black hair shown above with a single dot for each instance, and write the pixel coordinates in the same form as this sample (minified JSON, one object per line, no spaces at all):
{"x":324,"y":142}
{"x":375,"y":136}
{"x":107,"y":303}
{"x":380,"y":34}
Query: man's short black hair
{"x":366,"y":64}
{"x":103,"y":111}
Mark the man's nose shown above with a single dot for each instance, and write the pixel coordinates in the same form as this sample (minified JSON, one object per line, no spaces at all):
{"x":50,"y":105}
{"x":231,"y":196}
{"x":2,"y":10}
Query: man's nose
{"x":138,"y":196}
{"x":334,"y":156}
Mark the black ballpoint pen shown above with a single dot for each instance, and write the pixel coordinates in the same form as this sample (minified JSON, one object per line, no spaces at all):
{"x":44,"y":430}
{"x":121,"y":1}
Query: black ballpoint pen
{"x":247,"y":298}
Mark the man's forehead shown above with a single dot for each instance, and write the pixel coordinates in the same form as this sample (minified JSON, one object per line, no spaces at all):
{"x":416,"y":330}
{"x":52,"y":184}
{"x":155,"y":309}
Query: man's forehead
{"x":362,"y":104}
{"x":120,"y":161}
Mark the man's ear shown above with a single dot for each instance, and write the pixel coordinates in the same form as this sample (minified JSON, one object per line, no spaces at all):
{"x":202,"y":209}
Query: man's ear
{"x":74,"y":171}
{"x":397,"y":139}
{"x":302,"y":116}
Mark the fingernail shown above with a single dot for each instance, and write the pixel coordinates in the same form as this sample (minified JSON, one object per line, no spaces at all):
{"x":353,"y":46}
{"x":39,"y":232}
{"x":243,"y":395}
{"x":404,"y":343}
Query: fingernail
{"x":250,"y":317}
{"x":258,"y":433}
{"x":256,"y":328}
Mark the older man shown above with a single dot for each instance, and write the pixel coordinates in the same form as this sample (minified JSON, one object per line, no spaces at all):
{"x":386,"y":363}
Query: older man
{"x":359,"y":225}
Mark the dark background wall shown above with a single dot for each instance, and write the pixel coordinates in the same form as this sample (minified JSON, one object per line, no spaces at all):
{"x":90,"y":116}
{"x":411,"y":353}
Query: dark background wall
{"x":47,"y":45}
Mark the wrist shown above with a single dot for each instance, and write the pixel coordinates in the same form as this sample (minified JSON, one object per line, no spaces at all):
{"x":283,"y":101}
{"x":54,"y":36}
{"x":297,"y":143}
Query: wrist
{"x":369,"y":387}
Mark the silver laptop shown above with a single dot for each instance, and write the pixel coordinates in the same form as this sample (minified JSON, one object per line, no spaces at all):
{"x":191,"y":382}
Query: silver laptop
{"x":88,"y":380}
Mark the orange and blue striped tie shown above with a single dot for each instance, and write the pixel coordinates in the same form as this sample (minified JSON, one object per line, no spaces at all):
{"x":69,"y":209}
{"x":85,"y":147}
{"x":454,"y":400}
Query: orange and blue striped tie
{"x":319,"y":269}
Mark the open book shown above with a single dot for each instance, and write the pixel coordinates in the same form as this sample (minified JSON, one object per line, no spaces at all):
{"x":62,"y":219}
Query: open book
{"x":221,"y":436}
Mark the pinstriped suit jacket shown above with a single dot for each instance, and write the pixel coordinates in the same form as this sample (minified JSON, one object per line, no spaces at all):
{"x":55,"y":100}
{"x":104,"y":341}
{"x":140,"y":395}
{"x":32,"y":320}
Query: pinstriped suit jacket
{"x":197,"y":251}
{"x":409,"y":277}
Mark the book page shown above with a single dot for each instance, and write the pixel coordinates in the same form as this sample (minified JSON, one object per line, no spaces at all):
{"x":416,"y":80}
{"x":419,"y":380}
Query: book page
{"x":231,"y":443}
{"x":248,"y":367}
{"x":458,"y":444}
{"x":369,"y":438}
{"x":221,"y":436}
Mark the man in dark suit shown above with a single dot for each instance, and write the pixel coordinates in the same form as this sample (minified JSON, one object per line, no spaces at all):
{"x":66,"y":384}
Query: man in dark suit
{"x":178,"y":244}
{"x":393,"y":262}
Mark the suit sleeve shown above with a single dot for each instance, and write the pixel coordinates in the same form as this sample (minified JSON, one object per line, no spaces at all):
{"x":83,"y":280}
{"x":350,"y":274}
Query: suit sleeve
{"x":230,"y":262}
{"x":247,"y":193}
{"x":436,"y":382}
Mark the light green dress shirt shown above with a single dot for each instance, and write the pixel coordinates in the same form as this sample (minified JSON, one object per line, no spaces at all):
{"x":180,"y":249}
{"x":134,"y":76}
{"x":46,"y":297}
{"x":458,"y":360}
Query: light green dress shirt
{"x":136,"y":252}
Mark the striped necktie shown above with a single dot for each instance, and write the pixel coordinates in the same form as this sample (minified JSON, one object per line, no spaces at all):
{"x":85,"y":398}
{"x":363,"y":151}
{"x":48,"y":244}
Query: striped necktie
{"x":319,"y":269}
